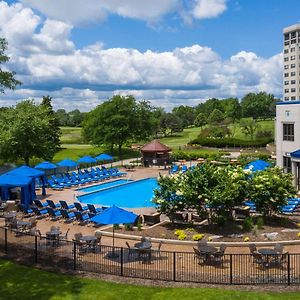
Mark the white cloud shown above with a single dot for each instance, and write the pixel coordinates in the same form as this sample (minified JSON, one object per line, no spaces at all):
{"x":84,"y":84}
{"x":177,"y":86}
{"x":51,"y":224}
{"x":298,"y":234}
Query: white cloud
{"x":78,"y":12}
{"x":205,"y":9}
{"x":47,"y":62}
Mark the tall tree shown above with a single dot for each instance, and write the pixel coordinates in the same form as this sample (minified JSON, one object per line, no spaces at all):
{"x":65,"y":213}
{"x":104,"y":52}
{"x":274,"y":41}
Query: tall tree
{"x":200,"y":120}
{"x":117,"y":121}
{"x":54,"y":131}
{"x":258,"y":105}
{"x":24,"y":132}
{"x":7,"y":80}
{"x":249,"y":127}
{"x":216,"y":117}
{"x":186,"y":114}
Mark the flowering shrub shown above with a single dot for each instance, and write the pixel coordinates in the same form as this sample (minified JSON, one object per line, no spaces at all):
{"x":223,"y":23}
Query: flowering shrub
{"x":209,"y":238}
{"x":270,"y":190}
{"x":182,"y":236}
{"x":215,"y":190}
{"x":198,"y":237}
{"x":246,"y":239}
{"x":179,"y":232}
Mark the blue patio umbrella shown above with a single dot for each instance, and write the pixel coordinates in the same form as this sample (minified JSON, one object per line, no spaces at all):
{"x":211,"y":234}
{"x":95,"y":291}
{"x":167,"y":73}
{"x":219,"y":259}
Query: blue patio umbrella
{"x":46,"y":165}
{"x":257,"y":165}
{"x":67,"y":163}
{"x":104,"y":157}
{"x":87,"y":160}
{"x":114,"y":215}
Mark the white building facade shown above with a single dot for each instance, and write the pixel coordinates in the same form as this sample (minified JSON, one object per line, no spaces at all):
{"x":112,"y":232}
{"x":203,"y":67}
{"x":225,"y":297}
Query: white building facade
{"x":288,"y":112}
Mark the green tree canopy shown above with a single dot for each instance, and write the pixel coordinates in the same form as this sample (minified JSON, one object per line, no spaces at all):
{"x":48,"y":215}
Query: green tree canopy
{"x":258,"y":105}
{"x":200,"y":120}
{"x":249,"y":127}
{"x":118,"y":121}
{"x":170,"y":123}
{"x":186,"y":114}
{"x":25,"y":132}
{"x":216,"y":117}
{"x":7,"y":80}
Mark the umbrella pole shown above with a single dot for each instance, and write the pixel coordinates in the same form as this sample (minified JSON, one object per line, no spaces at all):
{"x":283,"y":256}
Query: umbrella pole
{"x":113,"y":239}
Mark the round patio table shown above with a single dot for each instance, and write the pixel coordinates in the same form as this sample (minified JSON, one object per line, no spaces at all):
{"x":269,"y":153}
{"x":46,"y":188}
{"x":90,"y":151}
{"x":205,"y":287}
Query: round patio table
{"x":207,"y":249}
{"x":143,"y":245}
{"x":267,"y":251}
{"x":53,"y":237}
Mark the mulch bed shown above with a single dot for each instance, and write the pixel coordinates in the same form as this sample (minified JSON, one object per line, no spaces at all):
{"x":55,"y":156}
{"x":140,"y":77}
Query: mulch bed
{"x":230,"y":231}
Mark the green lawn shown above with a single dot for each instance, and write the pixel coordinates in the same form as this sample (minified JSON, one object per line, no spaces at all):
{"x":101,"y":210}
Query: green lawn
{"x":20,"y":282}
{"x":181,"y":138}
{"x":71,"y":135}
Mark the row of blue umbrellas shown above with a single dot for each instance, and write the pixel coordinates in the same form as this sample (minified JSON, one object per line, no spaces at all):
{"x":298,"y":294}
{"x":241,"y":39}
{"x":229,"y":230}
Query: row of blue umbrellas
{"x":69,"y":163}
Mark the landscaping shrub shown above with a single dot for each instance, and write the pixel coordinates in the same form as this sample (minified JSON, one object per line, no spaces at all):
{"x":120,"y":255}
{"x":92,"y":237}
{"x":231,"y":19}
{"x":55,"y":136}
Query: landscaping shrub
{"x":198,"y":237}
{"x":260,"y":223}
{"x":248,"y":224}
{"x":230,"y":142}
{"x":194,"y":154}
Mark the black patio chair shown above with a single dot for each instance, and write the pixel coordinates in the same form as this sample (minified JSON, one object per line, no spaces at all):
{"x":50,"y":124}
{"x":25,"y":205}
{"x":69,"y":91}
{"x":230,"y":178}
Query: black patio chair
{"x":52,"y":204}
{"x":65,"y":205}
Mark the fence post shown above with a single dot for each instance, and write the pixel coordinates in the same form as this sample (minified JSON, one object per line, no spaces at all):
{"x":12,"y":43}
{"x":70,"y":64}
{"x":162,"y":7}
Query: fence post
{"x":122,"y":261}
{"x":74,"y":256}
{"x":289,"y":269}
{"x":5,"y":240}
{"x":174,"y":266}
{"x":35,"y":249}
{"x":230,"y":268}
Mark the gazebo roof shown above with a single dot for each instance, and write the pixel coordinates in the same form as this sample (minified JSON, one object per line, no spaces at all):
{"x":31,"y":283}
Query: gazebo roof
{"x":155,"y":146}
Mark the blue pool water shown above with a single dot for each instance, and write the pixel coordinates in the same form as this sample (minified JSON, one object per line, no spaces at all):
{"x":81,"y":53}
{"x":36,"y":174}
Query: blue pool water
{"x":102,"y":186}
{"x":134,"y":194}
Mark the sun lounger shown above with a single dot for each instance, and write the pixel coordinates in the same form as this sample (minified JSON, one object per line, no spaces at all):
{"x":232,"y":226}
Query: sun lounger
{"x":54,"y":214}
{"x":82,"y":219}
{"x":65,"y":205}
{"x":68,"y":216}
{"x":55,"y":186}
{"x":79,"y":207}
{"x":40,"y":204}
{"x":39,"y":212}
{"x":93,"y":209}
{"x":52,"y":204}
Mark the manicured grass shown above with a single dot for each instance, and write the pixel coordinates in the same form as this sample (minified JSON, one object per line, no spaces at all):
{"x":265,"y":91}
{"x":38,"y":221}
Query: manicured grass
{"x":75,"y":151}
{"x":20,"y":282}
{"x":264,"y":125}
{"x":181,"y":138}
{"x":71,"y":135}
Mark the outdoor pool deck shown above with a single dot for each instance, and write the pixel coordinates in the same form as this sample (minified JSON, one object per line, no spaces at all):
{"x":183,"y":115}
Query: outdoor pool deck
{"x":139,"y":173}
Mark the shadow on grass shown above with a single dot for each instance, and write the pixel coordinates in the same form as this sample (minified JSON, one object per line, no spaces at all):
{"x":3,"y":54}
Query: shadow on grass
{"x":20,"y":282}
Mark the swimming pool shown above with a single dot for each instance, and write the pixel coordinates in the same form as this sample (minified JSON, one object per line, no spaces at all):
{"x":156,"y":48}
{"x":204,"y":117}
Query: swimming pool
{"x":103,"y":185}
{"x":133,"y":194}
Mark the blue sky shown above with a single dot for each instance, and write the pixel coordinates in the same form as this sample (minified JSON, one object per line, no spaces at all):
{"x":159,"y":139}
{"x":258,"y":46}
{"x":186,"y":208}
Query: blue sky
{"x":170,"y":52}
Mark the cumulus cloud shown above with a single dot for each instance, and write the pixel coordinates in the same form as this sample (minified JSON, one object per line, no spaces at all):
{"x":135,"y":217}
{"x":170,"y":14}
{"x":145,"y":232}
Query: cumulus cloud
{"x":205,"y":9}
{"x":47,"y":62}
{"x":78,"y":12}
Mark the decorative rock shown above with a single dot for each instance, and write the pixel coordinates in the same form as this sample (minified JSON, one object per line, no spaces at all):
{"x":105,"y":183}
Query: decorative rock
{"x":271,"y":236}
{"x":215,"y":237}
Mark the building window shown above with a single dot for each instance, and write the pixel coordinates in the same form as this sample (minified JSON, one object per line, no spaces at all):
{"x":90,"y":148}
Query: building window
{"x":286,"y":43}
{"x":293,"y":49}
{"x":287,"y":164}
{"x":286,"y":59}
{"x":286,"y":36}
{"x":293,"y":66}
{"x":293,"y":90}
{"x":286,"y":98}
{"x":286,"y":51}
{"x":286,"y":66}
{"x":293,"y":41}
{"x":293,"y":57}
{"x":293,"y":81}
{"x":286,"y":82}
{"x":286,"y":90}
{"x":286,"y":74}
{"x":293,"y":34}
{"x":288,"y":132}
{"x":293,"y":73}
{"x":293,"y":98}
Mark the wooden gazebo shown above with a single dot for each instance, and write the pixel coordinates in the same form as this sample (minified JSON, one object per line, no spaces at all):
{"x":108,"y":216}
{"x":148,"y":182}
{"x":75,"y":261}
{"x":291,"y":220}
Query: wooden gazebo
{"x":155,"y":154}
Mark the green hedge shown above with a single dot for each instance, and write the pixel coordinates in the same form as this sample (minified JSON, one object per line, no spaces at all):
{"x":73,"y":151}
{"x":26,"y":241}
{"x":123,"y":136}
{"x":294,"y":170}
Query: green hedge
{"x":193,"y":155}
{"x":229,"y":142}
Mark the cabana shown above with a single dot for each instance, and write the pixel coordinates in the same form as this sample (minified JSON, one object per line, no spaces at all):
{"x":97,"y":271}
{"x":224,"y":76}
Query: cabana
{"x":32,"y":173}
{"x":155,"y":153}
{"x":8,"y":181}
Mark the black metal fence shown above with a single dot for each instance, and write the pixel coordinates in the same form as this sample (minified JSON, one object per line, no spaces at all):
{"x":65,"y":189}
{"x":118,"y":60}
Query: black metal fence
{"x":153,"y":264}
